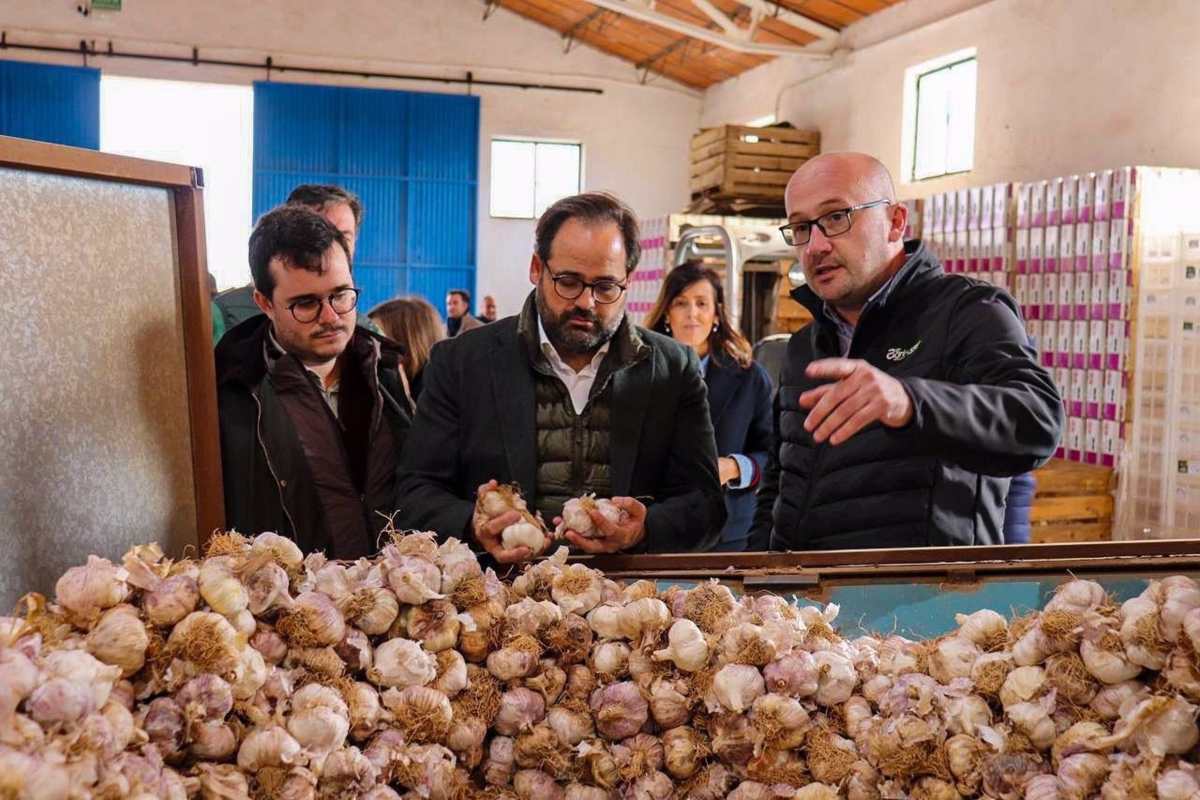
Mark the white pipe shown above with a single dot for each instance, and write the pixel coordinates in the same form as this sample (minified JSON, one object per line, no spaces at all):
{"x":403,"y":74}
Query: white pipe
{"x":772,"y":11}
{"x":640,"y":12}
{"x":718,"y":16}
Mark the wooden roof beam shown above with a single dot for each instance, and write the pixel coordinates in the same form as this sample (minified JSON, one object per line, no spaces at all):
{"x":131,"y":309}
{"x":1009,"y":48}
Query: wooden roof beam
{"x":641,"y":12}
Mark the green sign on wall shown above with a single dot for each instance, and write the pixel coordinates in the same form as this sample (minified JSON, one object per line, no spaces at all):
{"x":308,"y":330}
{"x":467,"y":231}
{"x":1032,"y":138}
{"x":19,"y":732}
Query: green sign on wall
{"x":106,"y":5}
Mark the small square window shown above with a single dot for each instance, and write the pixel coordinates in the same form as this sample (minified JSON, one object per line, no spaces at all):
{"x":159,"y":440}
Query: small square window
{"x":529,"y":176}
{"x":941,"y":117}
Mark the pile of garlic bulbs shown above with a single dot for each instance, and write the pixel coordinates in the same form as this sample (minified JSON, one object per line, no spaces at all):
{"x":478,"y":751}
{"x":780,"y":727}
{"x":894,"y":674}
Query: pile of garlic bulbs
{"x":256,"y":672}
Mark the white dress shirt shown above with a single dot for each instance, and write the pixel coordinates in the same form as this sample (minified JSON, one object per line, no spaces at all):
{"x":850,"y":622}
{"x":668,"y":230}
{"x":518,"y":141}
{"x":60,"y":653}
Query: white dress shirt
{"x":579,"y":384}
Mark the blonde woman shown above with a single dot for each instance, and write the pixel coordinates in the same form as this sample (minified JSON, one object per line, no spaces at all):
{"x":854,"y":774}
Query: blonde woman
{"x":414,"y":323}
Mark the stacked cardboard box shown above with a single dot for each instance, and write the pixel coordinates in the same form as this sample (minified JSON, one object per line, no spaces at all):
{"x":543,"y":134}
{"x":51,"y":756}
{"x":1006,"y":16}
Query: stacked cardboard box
{"x":969,"y":231}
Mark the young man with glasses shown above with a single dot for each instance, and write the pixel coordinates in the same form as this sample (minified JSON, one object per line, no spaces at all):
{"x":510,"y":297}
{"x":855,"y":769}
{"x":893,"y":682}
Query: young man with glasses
{"x":313,"y":408}
{"x":912,"y":398}
{"x":566,"y":398}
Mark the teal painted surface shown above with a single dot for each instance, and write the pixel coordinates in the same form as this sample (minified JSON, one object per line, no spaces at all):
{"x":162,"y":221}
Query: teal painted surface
{"x":926,"y":610}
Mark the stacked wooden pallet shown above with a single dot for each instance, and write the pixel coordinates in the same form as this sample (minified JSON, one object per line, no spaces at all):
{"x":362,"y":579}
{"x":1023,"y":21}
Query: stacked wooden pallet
{"x":1074,"y":503}
{"x":736,"y":167}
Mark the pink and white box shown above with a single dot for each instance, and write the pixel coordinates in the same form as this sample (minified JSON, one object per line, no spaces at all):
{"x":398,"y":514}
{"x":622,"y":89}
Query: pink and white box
{"x":1000,"y":254}
{"x":1062,"y":379}
{"x":1091,"y":441}
{"x":973,"y":245}
{"x":1066,"y":248}
{"x":1022,"y":251}
{"x":974,"y":207}
{"x":1062,"y":350}
{"x":1096,"y":331}
{"x":1079,"y":343}
{"x":1115,"y":342}
{"x":1099,"y":246}
{"x":1124,"y":182}
{"x":1033,"y":327}
{"x":1070,"y":191}
{"x":1114,"y":394}
{"x":986,"y":199}
{"x":1119,"y":239}
{"x":1083,"y":246}
{"x":962,"y":209}
{"x":1078,"y":392}
{"x":1110,"y":442}
{"x":1075,"y":439}
{"x":1084,"y":197}
{"x":1000,"y":195}
{"x":1024,"y":211}
{"x":1050,"y":249}
{"x":1083,"y":296}
{"x":1037,"y":237}
{"x":1052,"y":202}
{"x":1099,"y":298}
{"x":1119,"y":284}
{"x":1034,"y":290}
{"x":1021,"y":293}
{"x":1102,"y":196}
{"x":949,"y":212}
{"x":1066,"y":295}
{"x":962,"y":246}
{"x":934,"y":207}
{"x":1050,"y":296}
{"x":1095,"y":391}
{"x":1048,"y":341}
{"x":1039,"y":192}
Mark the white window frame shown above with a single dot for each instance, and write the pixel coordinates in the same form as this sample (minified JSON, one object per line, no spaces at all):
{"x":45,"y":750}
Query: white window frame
{"x":912,"y":78}
{"x":535,"y":141}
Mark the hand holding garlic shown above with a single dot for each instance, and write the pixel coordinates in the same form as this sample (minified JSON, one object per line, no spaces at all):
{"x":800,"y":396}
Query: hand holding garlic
{"x":611,"y":535}
{"x":504,"y":526}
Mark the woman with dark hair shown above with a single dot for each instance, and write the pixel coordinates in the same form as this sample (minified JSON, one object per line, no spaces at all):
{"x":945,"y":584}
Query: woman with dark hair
{"x":691,"y":309}
{"x":415,"y":323}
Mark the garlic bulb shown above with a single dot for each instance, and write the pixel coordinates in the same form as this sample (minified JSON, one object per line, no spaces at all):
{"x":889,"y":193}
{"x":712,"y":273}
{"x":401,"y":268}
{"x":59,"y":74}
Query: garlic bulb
{"x":1142,"y":632}
{"x":735,"y":687}
{"x":434,"y":624}
{"x":569,"y":725}
{"x":267,"y":589}
{"x":796,"y":674}
{"x":532,"y":616}
{"x":363,"y":708}
{"x":268,"y":747}
{"x":1160,"y":726}
{"x":421,"y":714}
{"x":401,"y":663}
{"x":576,"y":516}
{"x":313,"y":620}
{"x":747,"y":643}
{"x":498,"y":767}
{"x":1180,"y":595}
{"x":1077,"y":596}
{"x":669,"y":702}
{"x":414,"y":580}
{"x":1022,"y":684}
{"x":686,"y":647}
{"x":605,"y":621}
{"x":644,"y":619}
{"x":1034,"y":720}
{"x":1178,"y":784}
{"x":120,"y":638}
{"x":87,"y":590}
{"x":985,"y":629}
{"x":953,"y":657}
{"x":836,"y":678}
{"x":205,"y":697}
{"x":577,"y":589}
{"x":452,"y":673}
{"x":519,"y":661}
{"x":781,"y":720}
{"x":524,"y":534}
{"x":619,"y":710}
{"x":610,"y":658}
{"x":967,"y":714}
{"x":220,"y":586}
{"x":683,"y":752}
{"x":520,"y":709}
{"x":171,"y":600}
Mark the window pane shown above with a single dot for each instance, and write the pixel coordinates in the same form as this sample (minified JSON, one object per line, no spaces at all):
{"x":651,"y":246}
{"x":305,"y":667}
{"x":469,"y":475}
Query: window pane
{"x":960,"y":151}
{"x":931,"y":124}
{"x":512,"y":179}
{"x":557,"y":174}
{"x":205,"y":125}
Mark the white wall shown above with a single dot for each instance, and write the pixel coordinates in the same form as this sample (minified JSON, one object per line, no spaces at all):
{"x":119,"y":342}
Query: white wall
{"x":635,"y":137}
{"x":1064,"y":86}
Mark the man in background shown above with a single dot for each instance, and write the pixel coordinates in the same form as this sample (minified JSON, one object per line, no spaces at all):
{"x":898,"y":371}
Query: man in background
{"x":489,"y":309}
{"x":458,"y":312}
{"x":313,"y":409}
{"x":340,"y":207}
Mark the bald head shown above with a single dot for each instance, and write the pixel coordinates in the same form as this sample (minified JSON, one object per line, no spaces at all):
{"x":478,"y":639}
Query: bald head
{"x":858,"y":177}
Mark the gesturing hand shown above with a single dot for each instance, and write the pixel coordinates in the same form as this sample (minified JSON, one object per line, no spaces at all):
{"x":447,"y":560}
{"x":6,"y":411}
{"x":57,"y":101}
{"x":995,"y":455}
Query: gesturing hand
{"x":858,"y":395}
{"x":487,"y":532}
{"x":613,"y":537}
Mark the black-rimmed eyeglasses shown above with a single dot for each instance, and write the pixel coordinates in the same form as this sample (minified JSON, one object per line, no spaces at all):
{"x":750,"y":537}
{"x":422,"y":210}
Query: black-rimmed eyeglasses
{"x":833,"y":223}
{"x":569,"y":286}
{"x":308,"y":309}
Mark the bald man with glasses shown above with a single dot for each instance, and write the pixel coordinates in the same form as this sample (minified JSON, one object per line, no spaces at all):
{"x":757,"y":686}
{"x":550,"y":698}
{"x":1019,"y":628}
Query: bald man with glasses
{"x":913,"y":397}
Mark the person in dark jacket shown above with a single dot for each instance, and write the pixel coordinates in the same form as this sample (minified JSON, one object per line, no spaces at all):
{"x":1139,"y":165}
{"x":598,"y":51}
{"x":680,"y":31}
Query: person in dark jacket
{"x":568,"y":397}
{"x":312,"y":407}
{"x":913,"y":396}
{"x":344,"y":211}
{"x":691,"y":309}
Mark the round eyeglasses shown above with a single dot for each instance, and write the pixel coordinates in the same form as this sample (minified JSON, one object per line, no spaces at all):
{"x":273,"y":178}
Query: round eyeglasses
{"x":832,"y":223}
{"x":307,"y":309}
{"x":569,"y":286}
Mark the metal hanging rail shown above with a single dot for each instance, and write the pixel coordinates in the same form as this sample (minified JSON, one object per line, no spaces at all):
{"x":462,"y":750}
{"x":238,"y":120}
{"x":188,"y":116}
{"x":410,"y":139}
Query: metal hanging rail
{"x":87,"y":51}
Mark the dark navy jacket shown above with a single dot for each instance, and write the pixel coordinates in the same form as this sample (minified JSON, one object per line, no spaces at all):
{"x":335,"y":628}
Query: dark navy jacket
{"x":739,"y":401}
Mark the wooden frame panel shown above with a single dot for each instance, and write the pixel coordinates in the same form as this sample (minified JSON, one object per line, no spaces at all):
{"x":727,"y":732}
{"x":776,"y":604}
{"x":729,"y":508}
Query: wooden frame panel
{"x":185,"y":184}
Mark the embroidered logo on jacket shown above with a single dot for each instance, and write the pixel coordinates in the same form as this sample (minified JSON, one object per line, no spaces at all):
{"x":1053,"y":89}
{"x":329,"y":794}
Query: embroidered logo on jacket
{"x":899,"y":353}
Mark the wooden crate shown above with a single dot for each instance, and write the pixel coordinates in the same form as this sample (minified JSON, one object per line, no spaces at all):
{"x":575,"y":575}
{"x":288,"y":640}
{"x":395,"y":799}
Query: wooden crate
{"x":738,"y":161}
{"x":1074,"y":503}
{"x":789,"y":315}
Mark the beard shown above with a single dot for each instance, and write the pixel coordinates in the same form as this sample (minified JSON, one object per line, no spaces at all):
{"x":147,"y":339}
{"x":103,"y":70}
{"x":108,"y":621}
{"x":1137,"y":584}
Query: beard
{"x":573,"y":340}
